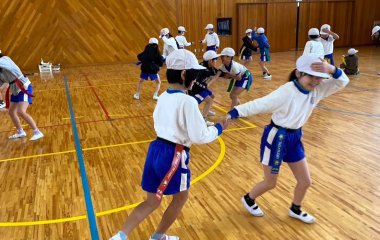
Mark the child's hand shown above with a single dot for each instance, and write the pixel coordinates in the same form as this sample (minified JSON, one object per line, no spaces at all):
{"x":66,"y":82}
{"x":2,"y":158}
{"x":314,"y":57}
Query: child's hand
{"x":323,"y":67}
{"x":225,"y":122}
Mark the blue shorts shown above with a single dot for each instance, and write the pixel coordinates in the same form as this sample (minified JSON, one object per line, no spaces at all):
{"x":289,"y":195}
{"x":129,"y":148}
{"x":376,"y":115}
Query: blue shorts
{"x":330,"y":58}
{"x":264,"y":55}
{"x":246,"y":57}
{"x":21,"y":97}
{"x":152,"y":77}
{"x":245,"y":82}
{"x":213,"y":48}
{"x":279,"y":144}
{"x":157,"y":164}
{"x":200,"y":97}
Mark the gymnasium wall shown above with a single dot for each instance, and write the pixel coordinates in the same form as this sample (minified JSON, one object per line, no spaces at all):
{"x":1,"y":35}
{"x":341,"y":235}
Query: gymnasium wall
{"x":81,"y":32}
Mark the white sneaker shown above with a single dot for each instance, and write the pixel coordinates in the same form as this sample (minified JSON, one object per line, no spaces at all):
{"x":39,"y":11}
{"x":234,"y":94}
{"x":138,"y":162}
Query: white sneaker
{"x":2,"y":105}
{"x":211,"y":113}
{"x":36,"y":136}
{"x":267,"y":77}
{"x":119,"y":236}
{"x":255,"y":210}
{"x":136,"y":96}
{"x":155,"y":97}
{"x":166,"y":237}
{"x":18,"y":135}
{"x":303,"y":216}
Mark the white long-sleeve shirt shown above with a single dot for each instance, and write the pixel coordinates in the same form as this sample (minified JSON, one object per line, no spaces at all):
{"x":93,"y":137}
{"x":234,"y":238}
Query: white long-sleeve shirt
{"x":169,"y":46}
{"x":314,"y":47}
{"x":182,"y":42}
{"x":211,"y":39}
{"x":12,"y":72}
{"x":290,"y":104}
{"x":177,"y":118}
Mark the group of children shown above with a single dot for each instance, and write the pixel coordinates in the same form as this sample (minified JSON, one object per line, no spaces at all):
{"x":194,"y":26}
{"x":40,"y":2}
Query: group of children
{"x":321,"y":44}
{"x":179,"y":123}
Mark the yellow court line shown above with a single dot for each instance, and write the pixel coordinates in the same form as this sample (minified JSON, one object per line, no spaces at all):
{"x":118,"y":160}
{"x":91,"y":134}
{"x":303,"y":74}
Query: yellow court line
{"x":107,"y":212}
{"x":21,"y":126}
{"x":242,"y":120}
{"x":66,"y":118}
{"x":72,"y":151}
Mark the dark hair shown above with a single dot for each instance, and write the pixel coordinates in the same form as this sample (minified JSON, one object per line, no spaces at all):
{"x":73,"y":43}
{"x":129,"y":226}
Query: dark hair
{"x":174,"y":40}
{"x":174,"y":76}
{"x":313,"y":37}
{"x":292,"y":75}
{"x":1,"y":55}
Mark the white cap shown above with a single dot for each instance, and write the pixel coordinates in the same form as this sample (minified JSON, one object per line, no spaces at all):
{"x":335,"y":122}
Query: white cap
{"x":163,"y":32}
{"x":209,"y":26}
{"x":313,"y":31}
{"x":260,"y":30}
{"x":210,"y":54}
{"x":324,"y":26}
{"x":304,"y":62}
{"x":153,"y":41}
{"x":181,"y":28}
{"x":352,"y":51}
{"x":228,"y":52}
{"x":375,"y":29}
{"x":182,"y":59}
{"x":248,"y":30}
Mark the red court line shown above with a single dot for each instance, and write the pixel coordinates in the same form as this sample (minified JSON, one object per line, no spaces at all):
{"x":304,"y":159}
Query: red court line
{"x":97,"y":97}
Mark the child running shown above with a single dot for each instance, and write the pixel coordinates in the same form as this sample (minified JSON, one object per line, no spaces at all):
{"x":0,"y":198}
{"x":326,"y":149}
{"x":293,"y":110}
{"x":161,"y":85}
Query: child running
{"x":247,"y":48}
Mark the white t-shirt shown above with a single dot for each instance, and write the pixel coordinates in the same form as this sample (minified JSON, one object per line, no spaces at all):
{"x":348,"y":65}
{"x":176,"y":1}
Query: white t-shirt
{"x":235,"y":69}
{"x":328,"y":44}
{"x":314,"y":47}
{"x":182,"y":42}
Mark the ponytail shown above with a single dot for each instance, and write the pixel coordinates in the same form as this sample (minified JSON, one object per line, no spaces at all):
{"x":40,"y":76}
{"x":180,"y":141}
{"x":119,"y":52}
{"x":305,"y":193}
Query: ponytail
{"x":292,"y":75}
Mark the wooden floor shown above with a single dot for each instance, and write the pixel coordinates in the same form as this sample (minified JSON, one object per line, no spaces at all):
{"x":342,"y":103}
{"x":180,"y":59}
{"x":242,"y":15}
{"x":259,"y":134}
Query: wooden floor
{"x":41,"y":192}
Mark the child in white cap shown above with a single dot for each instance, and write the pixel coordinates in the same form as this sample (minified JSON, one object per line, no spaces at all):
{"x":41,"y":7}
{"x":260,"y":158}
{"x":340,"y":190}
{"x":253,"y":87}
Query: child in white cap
{"x":151,"y":61}
{"x":170,"y":44}
{"x":241,"y":77}
{"x":247,"y":47}
{"x":314,"y":46}
{"x":262,"y":40}
{"x":291,"y":104}
{"x":350,"y":63}
{"x":211,"y":39}
{"x":181,"y":39}
{"x":200,"y":89}
{"x":178,"y":124}
{"x":327,"y":39}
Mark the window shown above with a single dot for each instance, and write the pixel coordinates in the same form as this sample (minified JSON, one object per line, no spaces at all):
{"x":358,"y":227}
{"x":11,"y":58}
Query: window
{"x":224,"y":26}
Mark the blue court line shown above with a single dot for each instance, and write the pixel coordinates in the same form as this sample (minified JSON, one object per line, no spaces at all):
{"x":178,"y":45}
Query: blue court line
{"x":82,"y":169}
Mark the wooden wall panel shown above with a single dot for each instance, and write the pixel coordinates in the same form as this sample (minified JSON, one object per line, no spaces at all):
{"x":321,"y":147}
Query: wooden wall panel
{"x":281,"y":27}
{"x":74,"y":32}
{"x":365,"y":13}
{"x":79,"y":32}
{"x":250,"y":16}
{"x":337,"y":14}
